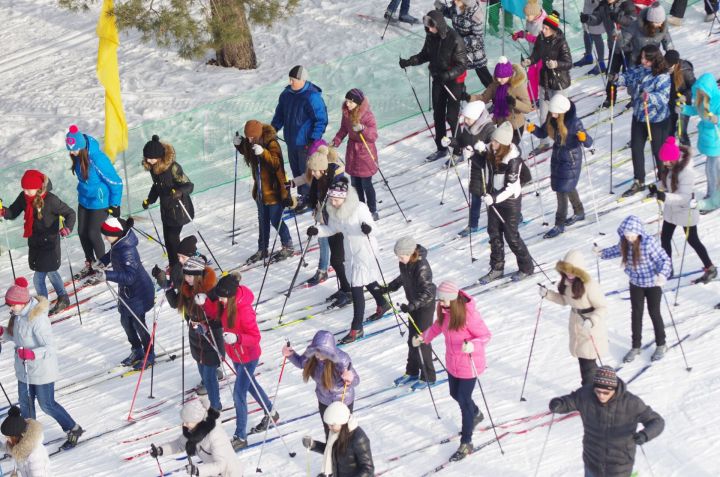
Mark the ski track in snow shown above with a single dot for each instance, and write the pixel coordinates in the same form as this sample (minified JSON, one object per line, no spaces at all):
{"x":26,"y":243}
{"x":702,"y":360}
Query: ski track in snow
{"x":58,"y":71}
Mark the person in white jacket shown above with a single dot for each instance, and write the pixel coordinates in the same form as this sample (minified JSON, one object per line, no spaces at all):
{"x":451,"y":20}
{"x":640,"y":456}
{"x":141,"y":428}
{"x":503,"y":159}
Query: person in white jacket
{"x":203,"y":439}
{"x":352,"y":218}
{"x":25,"y":445}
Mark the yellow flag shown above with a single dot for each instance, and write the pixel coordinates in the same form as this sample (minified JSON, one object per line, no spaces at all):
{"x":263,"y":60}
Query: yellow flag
{"x":116,"y":132}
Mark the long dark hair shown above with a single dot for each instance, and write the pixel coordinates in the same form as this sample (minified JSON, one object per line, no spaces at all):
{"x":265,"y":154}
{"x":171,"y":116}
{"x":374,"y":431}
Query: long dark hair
{"x":653,"y":55}
{"x":676,"y":168}
{"x":635,"y":251}
{"x":343,"y":439}
{"x":577,"y":287}
{"x":84,"y":161}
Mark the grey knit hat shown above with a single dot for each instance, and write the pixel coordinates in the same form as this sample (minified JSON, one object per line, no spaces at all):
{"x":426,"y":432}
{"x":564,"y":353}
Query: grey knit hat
{"x":655,"y":13}
{"x":405,"y":246}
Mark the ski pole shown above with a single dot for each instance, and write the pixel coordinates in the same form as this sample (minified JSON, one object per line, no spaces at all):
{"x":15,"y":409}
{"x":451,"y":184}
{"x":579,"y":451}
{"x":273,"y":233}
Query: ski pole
{"x":687,"y":366}
{"x":647,"y":119}
{"x":157,"y":459}
{"x":611,"y":59}
{"x":532,"y":145}
{"x":382,"y":276}
{"x":277,"y":389}
{"x":6,"y":394}
{"x":612,"y":124}
{"x":419,"y":332}
{"x":142,"y":370}
{"x":294,"y":278}
{"x":7,"y":241}
{"x":152,"y":368}
{"x":715,"y":18}
{"x":442,"y":196}
{"x":542,"y":451}
{"x":592,"y":339}
{"x":201,"y":237}
{"x":597,"y":263}
{"x":418,"y":103}
{"x":269,"y":261}
{"x":150,"y":238}
{"x":72,"y":275}
{"x":182,"y":362}
{"x":342,"y":397}
{"x":477,"y":378}
{"x":532,"y":345}
{"x":232,"y":242}
{"x":470,"y":232}
{"x":387,"y":24}
{"x":682,"y":259}
{"x":595,"y":206}
{"x":157,"y":234}
{"x":383,"y":177}
{"x":652,"y":474}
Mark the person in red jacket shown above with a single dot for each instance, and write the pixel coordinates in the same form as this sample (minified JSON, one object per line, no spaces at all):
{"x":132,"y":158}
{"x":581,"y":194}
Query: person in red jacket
{"x":242,"y":344}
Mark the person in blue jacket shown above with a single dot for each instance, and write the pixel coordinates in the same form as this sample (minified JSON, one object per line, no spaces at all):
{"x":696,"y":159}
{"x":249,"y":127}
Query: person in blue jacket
{"x":301,"y":111}
{"x":566,"y":160}
{"x":135,"y":289}
{"x":99,"y":193}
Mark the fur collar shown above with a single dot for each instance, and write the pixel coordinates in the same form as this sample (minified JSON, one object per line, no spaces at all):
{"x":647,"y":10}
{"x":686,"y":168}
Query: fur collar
{"x":202,"y":430}
{"x":347,"y":209}
{"x":518,"y":77}
{"x":163,"y":164}
{"x":41,"y":308}
{"x":30,"y":439}
{"x":208,"y":282}
{"x":568,"y":268}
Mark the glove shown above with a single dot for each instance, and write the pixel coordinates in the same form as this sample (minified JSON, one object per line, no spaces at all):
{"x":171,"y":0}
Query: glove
{"x":358,"y":127}
{"x":584,"y":17}
{"x":2,"y":330}
{"x":145,"y":204}
{"x":257,"y":149}
{"x":192,"y":469}
{"x":488,"y":199}
{"x":587,"y":324}
{"x":287,"y":351}
{"x":480,"y":147}
{"x":177,"y":194}
{"x":64,"y":232}
{"x":653,"y":189}
{"x":237,"y":139}
{"x":159,"y":276}
{"x":348,"y":376}
{"x":526,"y":62}
{"x":693,"y":204}
{"x":551,"y":64}
{"x":366,"y":229}
{"x":510,"y":100}
{"x":417,"y":341}
{"x":531,"y":127}
{"x":582,"y":136}
{"x":660,"y":195}
{"x":289,"y":203}
{"x":468,"y":347}
{"x":404,"y":63}
{"x":406,"y":308}
{"x":678,"y":108}
{"x":517,"y":35}
{"x":467,"y":152}
{"x":645,"y":96}
{"x":2,"y":210}
{"x":445,"y":141}
{"x":555,"y":404}
{"x":26,"y":354}
{"x":200,"y":299}
{"x":231,"y":338}
{"x":155,"y":451}
{"x":596,"y":250}
{"x":312,"y":231}
{"x":640,"y":438}
{"x":307,"y":442}
{"x":660,"y":280}
{"x":114,"y":210}
{"x":542,"y":291}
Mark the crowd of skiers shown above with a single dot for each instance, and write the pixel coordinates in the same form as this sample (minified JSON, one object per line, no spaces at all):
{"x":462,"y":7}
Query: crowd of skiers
{"x":486,"y":129}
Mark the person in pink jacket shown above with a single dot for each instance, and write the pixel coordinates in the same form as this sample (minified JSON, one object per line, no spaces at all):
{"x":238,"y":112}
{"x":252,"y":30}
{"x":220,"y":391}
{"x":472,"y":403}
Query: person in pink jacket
{"x":232,"y":303}
{"x":534,"y":16}
{"x":358,"y":124}
{"x":465,"y":338}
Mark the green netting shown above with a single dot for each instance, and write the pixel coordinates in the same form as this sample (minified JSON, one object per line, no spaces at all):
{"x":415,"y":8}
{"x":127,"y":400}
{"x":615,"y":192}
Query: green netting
{"x":202,"y":137}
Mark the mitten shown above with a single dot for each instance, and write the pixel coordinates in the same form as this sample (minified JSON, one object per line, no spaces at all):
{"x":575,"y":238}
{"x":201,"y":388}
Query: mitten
{"x":366,"y":229}
{"x":312,"y":231}
{"x":468,"y":347}
{"x":231,"y":338}
{"x":257,"y":149}
{"x":417,"y":341}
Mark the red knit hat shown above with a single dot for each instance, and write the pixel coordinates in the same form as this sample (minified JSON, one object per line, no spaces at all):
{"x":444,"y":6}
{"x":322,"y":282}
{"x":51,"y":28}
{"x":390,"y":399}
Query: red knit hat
{"x":18,"y":294}
{"x":32,"y":179}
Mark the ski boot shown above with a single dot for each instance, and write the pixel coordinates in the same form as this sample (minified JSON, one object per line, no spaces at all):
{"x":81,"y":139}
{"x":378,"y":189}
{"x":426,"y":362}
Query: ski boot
{"x":709,"y":274}
{"x":659,"y":353}
{"x":389,"y":16}
{"x":284,"y":253}
{"x":490,"y":276}
{"x":319,"y":277}
{"x":352,"y":336}
{"x":468,"y":230}
{"x":437,"y":155}
{"x":72,"y":437}
{"x":62,"y":302}
{"x":421,"y":384}
{"x":375,"y":216}
{"x":138,"y":366}
{"x":238,"y":443}
{"x":573,"y":219}
{"x":405,"y":379}
{"x":265,"y":422}
{"x":636,"y":187}
{"x":463,"y":451}
{"x":584,"y":61}
{"x":477,"y":419}
{"x":256,"y":257}
{"x":342,"y":299}
{"x":519,"y":275}
{"x":599,"y":68}
{"x":85,"y":271}
{"x":136,"y":354}
{"x":408,"y":19}
{"x":380,"y":310}
{"x":630,"y":355}
{"x":554,"y":232}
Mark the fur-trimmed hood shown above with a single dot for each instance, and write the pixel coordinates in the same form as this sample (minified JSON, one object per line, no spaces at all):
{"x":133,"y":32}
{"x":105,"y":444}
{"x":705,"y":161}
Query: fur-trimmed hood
{"x":518,"y":78}
{"x":200,"y":432}
{"x":163,"y":164}
{"x":574,"y":264}
{"x":31,"y":438}
{"x":39,"y":308}
{"x":268,"y":134}
{"x":208,"y":283}
{"x":347,"y":209}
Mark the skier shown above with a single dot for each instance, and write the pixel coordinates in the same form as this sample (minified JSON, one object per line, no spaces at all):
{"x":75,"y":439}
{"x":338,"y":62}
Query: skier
{"x":361,"y":158}
{"x":42,"y":211}
{"x":25,"y":445}
{"x":232,"y":303}
{"x":36,"y":366}
{"x":349,"y":216}
{"x":677,"y":181}
{"x":650,"y":28}
{"x":404,"y":15}
{"x":648,"y":266}
{"x":588,"y":308}
{"x":347,"y":450}
{"x":502,"y":189}
{"x":99,"y":193}
{"x":331,"y":369}
{"x":444,"y":50}
{"x":172,"y":187}
{"x":467,"y":20}
{"x":204,"y":333}
{"x":263,"y":156}
{"x":649,"y":85}
{"x":135,"y":289}
{"x":416,"y":279}
{"x":592,"y":36}
{"x":302,"y":112}
{"x":172,"y":277}
{"x":204,"y":441}
{"x":534,"y":18}
{"x":610,"y":415}
{"x":466,"y":336}
{"x":682,"y":78}
{"x":677,"y":11}
{"x":569,"y":137}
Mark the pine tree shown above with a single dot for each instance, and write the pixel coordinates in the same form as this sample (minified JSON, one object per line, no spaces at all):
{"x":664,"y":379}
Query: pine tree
{"x":195,"y":26}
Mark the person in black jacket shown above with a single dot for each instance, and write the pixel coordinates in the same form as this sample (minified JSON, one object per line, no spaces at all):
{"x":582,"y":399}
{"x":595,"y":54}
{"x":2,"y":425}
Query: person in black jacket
{"x":610,"y":415}
{"x":42,"y":211}
{"x":444,"y":50}
{"x":347,"y":450}
{"x":503,"y":197}
{"x":682,"y":77}
{"x":416,"y":278}
{"x":173,"y":187}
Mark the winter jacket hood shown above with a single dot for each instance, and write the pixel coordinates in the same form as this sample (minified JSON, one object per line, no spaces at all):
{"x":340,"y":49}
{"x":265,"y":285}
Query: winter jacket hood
{"x":444,"y":51}
{"x":573,"y":264}
{"x":164,"y":163}
{"x":361,"y":157}
{"x":708,"y":133}
{"x":440,"y":24}
{"x":168,"y":179}
{"x":30,"y":455}
{"x":103,"y":186}
{"x":302,"y":114}
{"x":323,"y":343}
{"x":209,"y":280}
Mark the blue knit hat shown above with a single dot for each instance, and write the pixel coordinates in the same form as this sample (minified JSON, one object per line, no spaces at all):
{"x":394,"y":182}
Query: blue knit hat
{"x":75,"y":140}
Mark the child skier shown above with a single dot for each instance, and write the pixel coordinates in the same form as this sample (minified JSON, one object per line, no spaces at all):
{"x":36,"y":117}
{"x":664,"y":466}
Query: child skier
{"x":534,"y":17}
{"x":25,"y":445}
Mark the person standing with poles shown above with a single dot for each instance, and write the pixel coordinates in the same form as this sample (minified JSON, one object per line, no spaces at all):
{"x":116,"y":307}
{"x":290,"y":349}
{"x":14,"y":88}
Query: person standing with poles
{"x":534,"y":18}
{"x":42,"y":211}
{"x":588,"y":307}
{"x":444,"y":51}
{"x":465,"y":334}
{"x":610,"y":415}
{"x":36,"y":364}
{"x":170,"y":185}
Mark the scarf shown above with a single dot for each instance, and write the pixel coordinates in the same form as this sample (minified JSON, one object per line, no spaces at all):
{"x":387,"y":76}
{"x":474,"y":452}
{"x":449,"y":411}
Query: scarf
{"x":500,"y":107}
{"x":29,"y":215}
{"x":327,"y":455}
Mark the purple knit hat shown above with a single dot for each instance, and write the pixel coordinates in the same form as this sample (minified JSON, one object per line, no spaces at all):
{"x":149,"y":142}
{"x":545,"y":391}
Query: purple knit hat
{"x":503,"y":68}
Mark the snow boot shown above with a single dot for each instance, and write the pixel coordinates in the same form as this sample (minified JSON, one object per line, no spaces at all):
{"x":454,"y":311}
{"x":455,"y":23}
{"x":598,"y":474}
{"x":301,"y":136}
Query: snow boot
{"x":150,"y":361}
{"x":72,"y":437}
{"x":597,"y":69}
{"x":574,"y":218}
{"x":319,"y":277}
{"x":490,"y":276}
{"x":675,"y":21}
{"x":659,"y":353}
{"x":265,"y":422}
{"x":61,"y":303}
{"x":408,"y":19}
{"x":467,"y":230}
{"x":463,"y":451}
{"x":380,"y":310}
{"x":584,"y":61}
{"x":405,"y":379}
{"x":136,"y":354}
{"x":636,"y":187}
{"x":256,"y":257}
{"x":630,"y":356}
{"x":352,"y":336}
{"x":710,"y":17}
{"x":709,"y":274}
{"x":334,"y":296}
{"x":375,"y":216}
{"x":519,"y":275}
{"x":238,"y":443}
{"x":554,"y":232}
{"x":421,"y":384}
{"x":284,"y":253}
{"x":437,"y":155}
{"x":85,"y":271}
{"x":389,"y":16}
{"x":342,"y":300}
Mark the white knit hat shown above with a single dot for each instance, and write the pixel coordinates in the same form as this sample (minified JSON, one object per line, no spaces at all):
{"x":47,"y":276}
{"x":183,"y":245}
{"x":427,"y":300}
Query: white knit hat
{"x":473,"y":110}
{"x":655,"y":13}
{"x":193,"y":411}
{"x":559,"y":104}
{"x":503,"y":134}
{"x":336,"y":414}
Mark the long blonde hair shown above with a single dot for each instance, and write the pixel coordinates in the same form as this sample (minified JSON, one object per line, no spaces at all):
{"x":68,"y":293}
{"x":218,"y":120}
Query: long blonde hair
{"x":562,"y":129}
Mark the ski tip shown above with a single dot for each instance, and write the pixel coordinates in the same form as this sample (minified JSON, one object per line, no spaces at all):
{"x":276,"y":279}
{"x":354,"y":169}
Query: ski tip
{"x":688,"y":369}
{"x":258,"y":470}
{"x":292,"y":454}
{"x":522,"y":399}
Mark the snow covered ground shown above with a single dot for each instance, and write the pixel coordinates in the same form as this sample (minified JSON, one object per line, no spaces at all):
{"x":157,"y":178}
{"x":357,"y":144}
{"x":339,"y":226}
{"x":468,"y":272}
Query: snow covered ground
{"x":41,"y":95}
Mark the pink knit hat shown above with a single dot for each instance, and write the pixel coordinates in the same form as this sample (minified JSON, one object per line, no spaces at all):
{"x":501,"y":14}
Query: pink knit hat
{"x":447,"y":291}
{"x":669,"y":151}
{"x":18,"y":294}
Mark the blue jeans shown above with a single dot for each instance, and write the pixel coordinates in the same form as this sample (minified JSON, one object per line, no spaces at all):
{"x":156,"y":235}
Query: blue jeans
{"x":136,"y":334}
{"x":365,"y":191}
{"x":324,"y":253}
{"x":461,"y":391}
{"x":711,"y":169}
{"x":475,"y":204}
{"x":268,"y":214}
{"x":242,"y":387}
{"x":404,"y":7}
{"x":55,"y":280}
{"x":45,"y":394}
{"x":208,"y":375}
{"x":297,"y":157}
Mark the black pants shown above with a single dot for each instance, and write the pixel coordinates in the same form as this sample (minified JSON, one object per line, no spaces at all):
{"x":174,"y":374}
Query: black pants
{"x":678,"y":7}
{"x":517,"y":137}
{"x":137,"y":335}
{"x":587,"y":370}
{"x":638,"y":138}
{"x":322,"y":408}
{"x":423,"y":319}
{"x":359,"y":303}
{"x":693,"y":240}
{"x":562,"y":207}
{"x":588,"y":40}
{"x":638,"y":296}
{"x":445,"y":108}
{"x":337,"y":260}
{"x":484,"y":75}
{"x":89,"y":223}
{"x":365,"y":190}
{"x":171,"y":234}
{"x":497,"y":230}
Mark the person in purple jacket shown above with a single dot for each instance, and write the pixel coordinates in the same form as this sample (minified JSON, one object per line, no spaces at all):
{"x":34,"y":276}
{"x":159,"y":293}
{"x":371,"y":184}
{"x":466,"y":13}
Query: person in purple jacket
{"x":648,"y":267}
{"x":330,"y":368}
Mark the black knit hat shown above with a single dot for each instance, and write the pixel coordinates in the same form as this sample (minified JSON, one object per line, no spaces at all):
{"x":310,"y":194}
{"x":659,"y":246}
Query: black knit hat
{"x":672,"y":57}
{"x":154,"y":149}
{"x":14,"y":424}
{"x":227,"y":286}
{"x":188,"y":246}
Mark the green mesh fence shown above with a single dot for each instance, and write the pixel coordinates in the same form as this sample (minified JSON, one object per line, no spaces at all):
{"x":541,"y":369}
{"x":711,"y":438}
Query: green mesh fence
{"x":202,"y":137}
